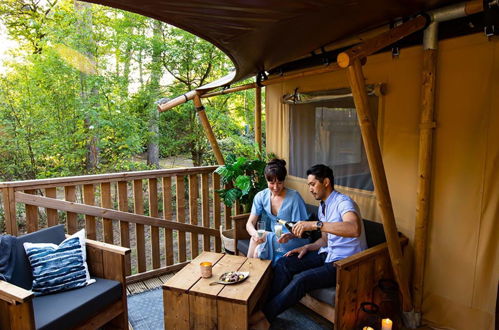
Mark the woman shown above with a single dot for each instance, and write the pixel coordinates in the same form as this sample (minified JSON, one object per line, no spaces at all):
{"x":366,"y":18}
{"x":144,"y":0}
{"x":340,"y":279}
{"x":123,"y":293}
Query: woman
{"x":277,"y":203}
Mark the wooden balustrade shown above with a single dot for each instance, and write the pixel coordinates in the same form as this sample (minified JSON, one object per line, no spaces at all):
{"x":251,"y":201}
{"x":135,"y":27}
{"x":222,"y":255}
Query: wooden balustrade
{"x":165,"y":216}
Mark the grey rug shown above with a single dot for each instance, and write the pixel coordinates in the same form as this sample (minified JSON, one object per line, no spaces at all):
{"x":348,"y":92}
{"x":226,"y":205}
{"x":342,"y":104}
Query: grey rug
{"x":145,"y":311}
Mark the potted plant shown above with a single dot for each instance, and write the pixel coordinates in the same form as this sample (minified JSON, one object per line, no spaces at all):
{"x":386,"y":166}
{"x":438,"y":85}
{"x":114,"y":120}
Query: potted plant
{"x":242,"y":179}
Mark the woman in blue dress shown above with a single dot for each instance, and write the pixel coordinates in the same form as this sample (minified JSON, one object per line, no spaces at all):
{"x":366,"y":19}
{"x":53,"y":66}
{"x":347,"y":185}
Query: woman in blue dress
{"x":277,"y":203}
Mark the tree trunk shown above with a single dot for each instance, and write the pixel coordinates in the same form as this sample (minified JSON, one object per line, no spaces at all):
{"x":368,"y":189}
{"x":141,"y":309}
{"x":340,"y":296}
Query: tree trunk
{"x":88,"y":94}
{"x":156,"y":72}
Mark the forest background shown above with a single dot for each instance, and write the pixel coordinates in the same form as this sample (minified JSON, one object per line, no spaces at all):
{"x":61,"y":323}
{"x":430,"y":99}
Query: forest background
{"x":78,"y":93}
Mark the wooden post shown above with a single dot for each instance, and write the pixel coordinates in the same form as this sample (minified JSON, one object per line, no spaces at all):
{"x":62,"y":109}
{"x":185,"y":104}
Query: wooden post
{"x":207,"y":129}
{"x":9,"y":206}
{"x":258,"y":117}
{"x":369,"y":136}
{"x":424,"y":172}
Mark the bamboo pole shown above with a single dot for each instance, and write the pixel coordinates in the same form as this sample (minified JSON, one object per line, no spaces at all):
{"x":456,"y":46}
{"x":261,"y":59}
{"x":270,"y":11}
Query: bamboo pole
{"x":208,"y":131}
{"x":370,"y":139}
{"x":258,"y":117}
{"x":424,"y":172}
{"x":346,"y":58}
{"x":177,"y":101}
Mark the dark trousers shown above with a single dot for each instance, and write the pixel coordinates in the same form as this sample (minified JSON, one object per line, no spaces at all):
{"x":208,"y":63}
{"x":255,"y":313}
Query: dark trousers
{"x":294,"y":277}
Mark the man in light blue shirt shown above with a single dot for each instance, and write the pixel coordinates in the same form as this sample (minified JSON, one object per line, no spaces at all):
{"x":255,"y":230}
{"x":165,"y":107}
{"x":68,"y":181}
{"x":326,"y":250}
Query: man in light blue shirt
{"x":311,"y":266}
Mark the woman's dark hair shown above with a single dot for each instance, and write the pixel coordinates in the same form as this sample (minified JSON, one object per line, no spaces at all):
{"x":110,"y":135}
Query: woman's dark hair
{"x":321,"y":172}
{"x":276,"y":170}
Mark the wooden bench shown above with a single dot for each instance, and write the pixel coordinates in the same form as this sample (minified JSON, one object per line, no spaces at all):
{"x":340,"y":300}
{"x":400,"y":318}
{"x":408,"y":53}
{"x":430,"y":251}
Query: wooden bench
{"x":356,"y":278}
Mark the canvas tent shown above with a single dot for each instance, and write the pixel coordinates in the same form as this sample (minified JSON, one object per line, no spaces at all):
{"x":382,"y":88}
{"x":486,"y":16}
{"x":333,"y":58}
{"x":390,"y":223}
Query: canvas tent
{"x":462,"y":263}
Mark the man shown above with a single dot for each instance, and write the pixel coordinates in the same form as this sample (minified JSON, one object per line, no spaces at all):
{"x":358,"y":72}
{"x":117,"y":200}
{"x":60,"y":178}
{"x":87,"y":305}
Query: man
{"x":311,"y":266}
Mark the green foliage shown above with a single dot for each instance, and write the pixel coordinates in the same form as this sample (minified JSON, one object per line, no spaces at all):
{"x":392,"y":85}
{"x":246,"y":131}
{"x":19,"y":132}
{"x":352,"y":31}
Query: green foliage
{"x":243,"y":178}
{"x":86,"y":77}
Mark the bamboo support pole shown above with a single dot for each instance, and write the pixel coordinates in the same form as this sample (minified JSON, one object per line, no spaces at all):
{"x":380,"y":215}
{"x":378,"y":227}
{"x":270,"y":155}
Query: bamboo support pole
{"x":230,"y":90}
{"x":424,"y":172}
{"x":370,"y":139}
{"x":346,"y":58}
{"x":177,"y":101}
{"x":208,"y":131}
{"x":258,"y":117}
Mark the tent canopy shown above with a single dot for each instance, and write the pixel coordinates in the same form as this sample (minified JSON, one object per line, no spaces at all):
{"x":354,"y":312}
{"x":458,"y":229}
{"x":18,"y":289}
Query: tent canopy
{"x":262,"y":35}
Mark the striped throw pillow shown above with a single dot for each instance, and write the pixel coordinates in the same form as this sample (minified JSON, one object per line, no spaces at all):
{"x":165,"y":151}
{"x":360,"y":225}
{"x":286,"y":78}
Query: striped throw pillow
{"x":58,"y":268}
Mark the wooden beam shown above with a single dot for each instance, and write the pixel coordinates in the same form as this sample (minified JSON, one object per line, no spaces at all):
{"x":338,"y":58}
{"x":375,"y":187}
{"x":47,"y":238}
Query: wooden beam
{"x":208,"y":130}
{"x":110,"y":214}
{"x":347,"y":58}
{"x":230,"y":90}
{"x":370,"y":139}
{"x":258,"y":117}
{"x":289,"y":76}
{"x":424,"y":171}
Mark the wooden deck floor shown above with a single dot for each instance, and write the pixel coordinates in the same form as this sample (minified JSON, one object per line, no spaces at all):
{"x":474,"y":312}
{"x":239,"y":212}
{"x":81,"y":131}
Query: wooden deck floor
{"x":147,"y":285}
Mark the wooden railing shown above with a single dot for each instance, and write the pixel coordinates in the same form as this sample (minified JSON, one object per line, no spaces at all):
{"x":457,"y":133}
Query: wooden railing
{"x":165,"y":221}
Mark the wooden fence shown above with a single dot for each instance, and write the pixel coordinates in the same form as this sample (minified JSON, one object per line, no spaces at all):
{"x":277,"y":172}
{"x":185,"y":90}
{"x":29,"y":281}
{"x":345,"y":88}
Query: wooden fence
{"x":165,"y":216}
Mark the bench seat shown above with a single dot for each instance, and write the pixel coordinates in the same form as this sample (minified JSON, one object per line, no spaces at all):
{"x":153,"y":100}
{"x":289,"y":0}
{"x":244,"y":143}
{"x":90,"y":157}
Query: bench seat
{"x":374,"y":263}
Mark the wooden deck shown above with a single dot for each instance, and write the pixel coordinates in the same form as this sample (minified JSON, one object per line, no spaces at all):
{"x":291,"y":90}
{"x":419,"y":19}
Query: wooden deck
{"x":147,"y":285}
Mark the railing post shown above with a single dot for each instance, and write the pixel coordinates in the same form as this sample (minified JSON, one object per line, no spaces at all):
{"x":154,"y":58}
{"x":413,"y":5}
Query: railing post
{"x":9,"y":207}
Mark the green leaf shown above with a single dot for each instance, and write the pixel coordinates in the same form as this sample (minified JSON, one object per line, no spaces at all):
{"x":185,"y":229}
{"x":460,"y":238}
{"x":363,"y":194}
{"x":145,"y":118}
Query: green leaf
{"x":231,"y":196}
{"x":243,"y":182}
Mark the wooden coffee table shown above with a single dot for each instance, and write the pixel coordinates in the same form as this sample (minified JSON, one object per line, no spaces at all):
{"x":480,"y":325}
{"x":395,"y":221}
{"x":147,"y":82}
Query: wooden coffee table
{"x":191,"y":303}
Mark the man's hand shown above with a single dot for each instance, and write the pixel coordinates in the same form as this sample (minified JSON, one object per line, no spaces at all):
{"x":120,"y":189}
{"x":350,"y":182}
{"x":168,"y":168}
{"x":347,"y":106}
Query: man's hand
{"x":302,"y":226}
{"x":302,"y":250}
{"x":285,"y":238}
{"x":257,"y":239}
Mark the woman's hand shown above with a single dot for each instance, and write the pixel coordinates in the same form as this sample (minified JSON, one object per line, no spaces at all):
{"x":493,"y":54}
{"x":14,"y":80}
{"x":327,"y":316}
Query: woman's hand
{"x":302,"y":250}
{"x":285,"y":238}
{"x":257,"y":239}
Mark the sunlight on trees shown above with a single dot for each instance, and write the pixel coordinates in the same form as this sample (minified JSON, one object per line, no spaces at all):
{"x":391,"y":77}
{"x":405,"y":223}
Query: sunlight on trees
{"x":84,"y":82}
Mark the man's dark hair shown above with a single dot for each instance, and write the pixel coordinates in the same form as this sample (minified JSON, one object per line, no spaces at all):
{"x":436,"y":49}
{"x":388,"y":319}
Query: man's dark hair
{"x":321,"y":171}
{"x":276,"y":170}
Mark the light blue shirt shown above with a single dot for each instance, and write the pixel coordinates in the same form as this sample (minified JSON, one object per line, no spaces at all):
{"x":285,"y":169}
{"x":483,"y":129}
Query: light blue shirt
{"x":339,"y":247}
{"x":292,"y":209}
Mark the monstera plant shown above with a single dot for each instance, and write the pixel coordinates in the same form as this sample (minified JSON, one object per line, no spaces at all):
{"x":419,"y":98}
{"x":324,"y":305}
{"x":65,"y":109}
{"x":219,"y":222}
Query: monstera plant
{"x":242,"y":179}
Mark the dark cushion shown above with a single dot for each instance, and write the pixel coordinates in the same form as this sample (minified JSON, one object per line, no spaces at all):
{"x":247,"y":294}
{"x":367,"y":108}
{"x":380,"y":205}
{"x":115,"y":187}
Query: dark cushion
{"x":243,"y":246}
{"x":374,"y":233}
{"x":22,"y":276}
{"x":65,"y":310}
{"x":326,"y":295}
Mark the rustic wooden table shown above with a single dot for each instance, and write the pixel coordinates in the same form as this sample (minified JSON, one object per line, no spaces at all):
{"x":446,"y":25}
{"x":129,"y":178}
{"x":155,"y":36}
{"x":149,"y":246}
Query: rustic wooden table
{"x":191,"y":303}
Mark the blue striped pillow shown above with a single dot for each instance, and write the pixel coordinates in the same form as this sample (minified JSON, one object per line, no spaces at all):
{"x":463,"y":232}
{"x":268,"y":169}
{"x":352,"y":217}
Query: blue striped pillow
{"x":58,"y":268}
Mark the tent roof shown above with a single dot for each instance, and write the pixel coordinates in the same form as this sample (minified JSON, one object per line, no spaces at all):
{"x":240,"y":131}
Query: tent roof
{"x":260,"y":35}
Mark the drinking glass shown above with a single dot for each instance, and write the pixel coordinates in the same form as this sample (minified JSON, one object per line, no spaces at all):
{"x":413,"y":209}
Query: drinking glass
{"x":260,"y":228}
{"x":278,"y":234}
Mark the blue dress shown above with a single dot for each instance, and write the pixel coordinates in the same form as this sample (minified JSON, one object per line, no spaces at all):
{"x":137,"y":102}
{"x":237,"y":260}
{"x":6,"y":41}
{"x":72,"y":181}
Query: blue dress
{"x":292,"y":209}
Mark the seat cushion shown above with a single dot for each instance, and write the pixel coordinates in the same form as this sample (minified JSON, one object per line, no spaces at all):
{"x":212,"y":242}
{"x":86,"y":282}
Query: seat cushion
{"x":22,"y":275}
{"x":65,"y":310}
{"x":326,"y":295}
{"x":243,"y":246}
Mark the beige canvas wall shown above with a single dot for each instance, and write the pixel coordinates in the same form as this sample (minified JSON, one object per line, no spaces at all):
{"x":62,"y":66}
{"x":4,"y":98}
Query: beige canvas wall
{"x":462,"y":268}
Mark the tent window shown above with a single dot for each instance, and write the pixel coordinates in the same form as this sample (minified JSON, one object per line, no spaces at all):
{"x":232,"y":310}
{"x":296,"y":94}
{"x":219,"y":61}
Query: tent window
{"x":327,"y":132}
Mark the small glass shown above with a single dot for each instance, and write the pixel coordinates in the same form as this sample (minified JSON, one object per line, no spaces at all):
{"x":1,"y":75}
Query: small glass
{"x":206,"y":269}
{"x":260,"y":228}
{"x":278,"y":234}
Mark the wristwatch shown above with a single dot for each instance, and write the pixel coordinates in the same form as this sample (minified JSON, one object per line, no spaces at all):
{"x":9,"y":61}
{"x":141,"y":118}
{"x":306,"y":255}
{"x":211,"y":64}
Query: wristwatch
{"x":318,"y":224}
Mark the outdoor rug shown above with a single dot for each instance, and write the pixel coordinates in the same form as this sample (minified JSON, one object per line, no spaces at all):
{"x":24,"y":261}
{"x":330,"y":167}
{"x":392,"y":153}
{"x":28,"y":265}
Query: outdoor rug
{"x":145,"y":311}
